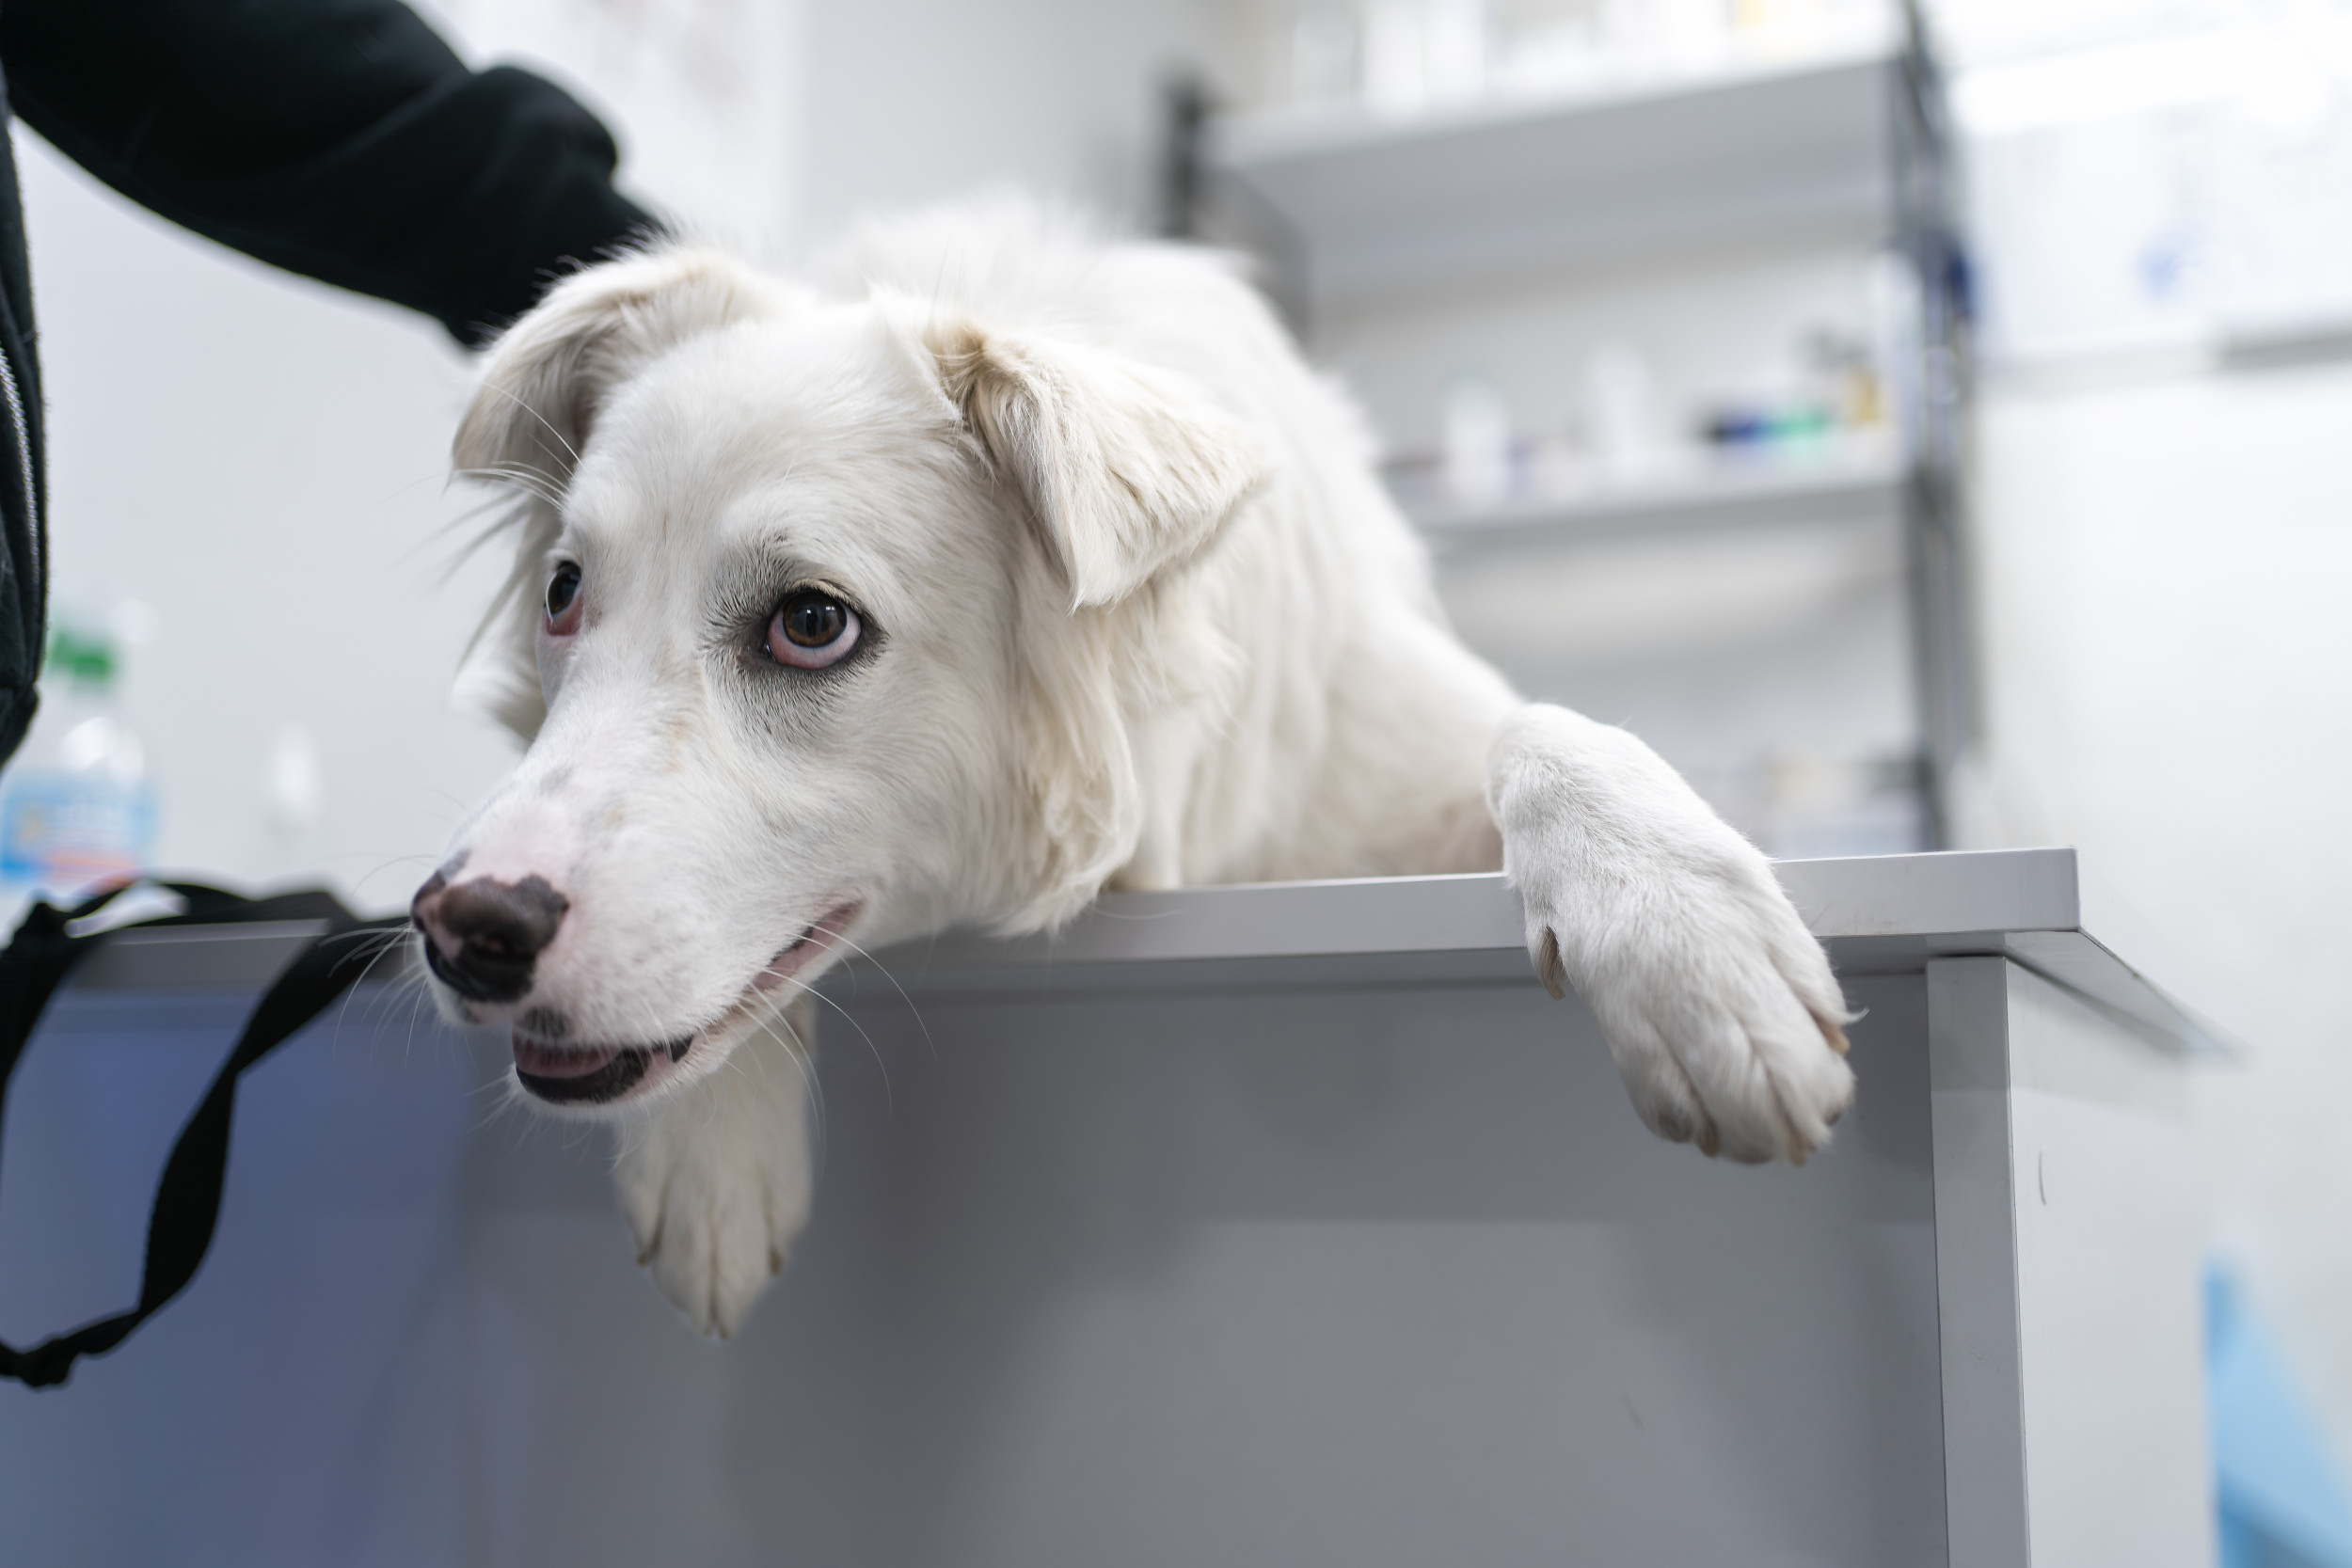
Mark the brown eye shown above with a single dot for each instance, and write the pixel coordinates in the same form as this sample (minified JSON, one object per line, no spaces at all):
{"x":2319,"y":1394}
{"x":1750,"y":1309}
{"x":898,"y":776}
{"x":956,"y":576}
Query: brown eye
{"x":811,"y":629}
{"x":564,"y":600}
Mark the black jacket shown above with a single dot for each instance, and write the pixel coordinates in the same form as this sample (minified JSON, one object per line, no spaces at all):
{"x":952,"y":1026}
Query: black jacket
{"x":338,"y":138}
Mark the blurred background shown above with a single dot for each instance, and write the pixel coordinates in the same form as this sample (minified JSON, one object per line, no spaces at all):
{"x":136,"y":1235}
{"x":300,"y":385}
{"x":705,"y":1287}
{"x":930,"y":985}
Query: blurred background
{"x":1916,"y":425}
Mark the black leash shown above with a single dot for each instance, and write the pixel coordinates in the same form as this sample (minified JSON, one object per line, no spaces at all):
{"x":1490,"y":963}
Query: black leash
{"x":187,"y":1199}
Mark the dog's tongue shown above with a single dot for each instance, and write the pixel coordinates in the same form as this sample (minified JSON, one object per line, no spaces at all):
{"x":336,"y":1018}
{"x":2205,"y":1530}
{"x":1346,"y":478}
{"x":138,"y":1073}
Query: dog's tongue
{"x":546,"y":1061}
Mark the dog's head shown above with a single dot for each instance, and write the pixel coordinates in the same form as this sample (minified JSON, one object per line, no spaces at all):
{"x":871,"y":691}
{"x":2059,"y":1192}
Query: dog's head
{"x":829,"y":606}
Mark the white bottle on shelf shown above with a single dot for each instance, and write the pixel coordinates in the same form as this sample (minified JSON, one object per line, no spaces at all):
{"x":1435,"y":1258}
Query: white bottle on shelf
{"x":1477,"y":440}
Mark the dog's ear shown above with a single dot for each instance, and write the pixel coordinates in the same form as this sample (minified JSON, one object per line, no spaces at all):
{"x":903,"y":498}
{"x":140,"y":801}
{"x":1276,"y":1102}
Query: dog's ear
{"x":542,"y":386}
{"x":544,"y":380}
{"x":1127,"y":469}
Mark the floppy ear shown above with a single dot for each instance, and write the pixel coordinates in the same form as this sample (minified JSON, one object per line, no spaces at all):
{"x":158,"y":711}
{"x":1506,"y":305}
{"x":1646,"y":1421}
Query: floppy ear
{"x":544,"y":382}
{"x":542,"y":386}
{"x":1126,"y":468}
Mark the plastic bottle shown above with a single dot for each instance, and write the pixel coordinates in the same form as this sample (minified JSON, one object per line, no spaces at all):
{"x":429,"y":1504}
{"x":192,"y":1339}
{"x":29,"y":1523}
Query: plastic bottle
{"x":76,"y":808}
{"x":1477,"y":438}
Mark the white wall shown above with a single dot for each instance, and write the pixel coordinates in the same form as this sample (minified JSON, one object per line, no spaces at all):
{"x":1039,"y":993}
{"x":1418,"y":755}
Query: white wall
{"x":2170,"y":662}
{"x":260,"y":459}
{"x":915,"y":100}
{"x":705,"y":97}
{"x":2164,"y":548}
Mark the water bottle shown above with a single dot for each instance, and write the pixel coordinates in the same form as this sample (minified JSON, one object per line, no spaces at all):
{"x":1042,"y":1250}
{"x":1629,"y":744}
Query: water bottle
{"x":76,"y":807}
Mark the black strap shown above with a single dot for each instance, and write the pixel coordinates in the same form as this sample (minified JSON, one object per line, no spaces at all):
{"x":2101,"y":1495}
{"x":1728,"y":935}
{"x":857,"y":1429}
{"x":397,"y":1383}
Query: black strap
{"x":187,"y":1199}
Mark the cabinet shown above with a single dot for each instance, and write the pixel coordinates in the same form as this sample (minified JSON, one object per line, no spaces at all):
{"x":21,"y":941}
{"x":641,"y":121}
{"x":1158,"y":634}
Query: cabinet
{"x":1247,"y":1225}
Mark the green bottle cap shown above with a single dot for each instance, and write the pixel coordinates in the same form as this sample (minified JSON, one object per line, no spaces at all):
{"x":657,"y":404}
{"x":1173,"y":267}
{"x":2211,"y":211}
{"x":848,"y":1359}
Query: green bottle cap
{"x":82,"y":657}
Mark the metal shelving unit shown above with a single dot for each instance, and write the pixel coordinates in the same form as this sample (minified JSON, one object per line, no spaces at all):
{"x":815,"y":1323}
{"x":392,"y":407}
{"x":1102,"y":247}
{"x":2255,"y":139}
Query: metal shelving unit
{"x":1711,"y":492}
{"x":1747,"y":145}
{"x":1849,"y":140}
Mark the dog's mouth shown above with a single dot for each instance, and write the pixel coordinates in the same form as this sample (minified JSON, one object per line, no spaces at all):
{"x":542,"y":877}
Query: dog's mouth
{"x":603,"y":1074}
{"x":594,"y":1076}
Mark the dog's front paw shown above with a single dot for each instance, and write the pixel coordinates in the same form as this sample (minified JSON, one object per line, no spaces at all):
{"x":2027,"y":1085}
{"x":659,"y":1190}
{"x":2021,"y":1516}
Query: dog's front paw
{"x":715,"y":1182}
{"x":1718,"y":1005}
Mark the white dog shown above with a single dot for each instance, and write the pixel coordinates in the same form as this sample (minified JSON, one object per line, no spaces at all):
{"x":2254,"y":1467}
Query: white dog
{"x":1013,"y":566}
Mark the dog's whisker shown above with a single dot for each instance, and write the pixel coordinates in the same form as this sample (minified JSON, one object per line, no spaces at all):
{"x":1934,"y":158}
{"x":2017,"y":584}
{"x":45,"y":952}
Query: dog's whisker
{"x":527,"y":408}
{"x":804,"y":988}
{"x":532,"y":517}
{"x":522,"y":476}
{"x":481,"y":540}
{"x":803,"y":1060}
{"x":525,"y":484}
{"x":368,"y":962}
{"x":415,"y":1008}
{"x":883,"y":969}
{"x":467,"y":518}
{"x":517,"y":478}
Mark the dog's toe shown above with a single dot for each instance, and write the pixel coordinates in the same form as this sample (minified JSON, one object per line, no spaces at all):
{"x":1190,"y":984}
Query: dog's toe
{"x":1788,"y":1086}
{"x":1727,"y":1033}
{"x":718,"y":1238}
{"x":712,"y":1260}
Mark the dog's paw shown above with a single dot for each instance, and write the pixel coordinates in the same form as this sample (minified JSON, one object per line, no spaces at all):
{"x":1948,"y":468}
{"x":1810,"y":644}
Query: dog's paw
{"x":1719,"y":1008}
{"x":1718,"y":1005}
{"x":715,"y":1183}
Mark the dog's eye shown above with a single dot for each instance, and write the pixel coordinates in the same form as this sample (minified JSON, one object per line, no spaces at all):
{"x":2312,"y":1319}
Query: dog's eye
{"x":564,"y":600}
{"x":811,"y":629}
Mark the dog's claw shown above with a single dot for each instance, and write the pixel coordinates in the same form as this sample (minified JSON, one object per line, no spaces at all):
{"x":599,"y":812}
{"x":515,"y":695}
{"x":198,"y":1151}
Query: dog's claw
{"x":1832,"y":1032}
{"x":1548,"y":967}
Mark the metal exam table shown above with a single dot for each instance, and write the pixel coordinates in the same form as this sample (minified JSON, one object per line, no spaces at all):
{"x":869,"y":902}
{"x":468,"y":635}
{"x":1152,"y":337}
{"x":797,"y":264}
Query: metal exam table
{"x":1272,"y":1225}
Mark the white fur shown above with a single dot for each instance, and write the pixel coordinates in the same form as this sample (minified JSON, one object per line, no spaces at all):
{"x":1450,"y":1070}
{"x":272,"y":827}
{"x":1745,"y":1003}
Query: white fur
{"x":1140,"y":615}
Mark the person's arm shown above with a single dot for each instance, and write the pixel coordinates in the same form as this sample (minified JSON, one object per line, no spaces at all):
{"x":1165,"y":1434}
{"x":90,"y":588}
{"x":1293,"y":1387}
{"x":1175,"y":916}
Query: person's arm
{"x":338,"y":138}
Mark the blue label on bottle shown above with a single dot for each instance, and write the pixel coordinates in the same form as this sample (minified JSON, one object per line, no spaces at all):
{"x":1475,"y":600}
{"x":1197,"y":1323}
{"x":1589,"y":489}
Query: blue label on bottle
{"x":66,"y":830}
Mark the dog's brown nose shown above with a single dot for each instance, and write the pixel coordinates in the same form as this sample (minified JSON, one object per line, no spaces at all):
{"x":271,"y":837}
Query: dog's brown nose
{"x":481,"y":936}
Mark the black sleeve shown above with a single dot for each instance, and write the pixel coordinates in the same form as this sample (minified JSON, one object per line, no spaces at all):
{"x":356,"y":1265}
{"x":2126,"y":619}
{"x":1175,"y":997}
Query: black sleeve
{"x":338,"y":138}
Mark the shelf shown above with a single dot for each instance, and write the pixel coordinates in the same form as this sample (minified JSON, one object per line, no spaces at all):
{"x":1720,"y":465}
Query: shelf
{"x":1865,"y":481}
{"x":1749,"y":146}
